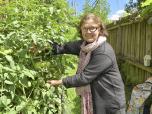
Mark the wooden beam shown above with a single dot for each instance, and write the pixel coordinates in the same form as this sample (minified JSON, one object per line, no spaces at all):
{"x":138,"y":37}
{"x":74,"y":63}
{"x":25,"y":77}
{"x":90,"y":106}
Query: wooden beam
{"x":139,"y":65}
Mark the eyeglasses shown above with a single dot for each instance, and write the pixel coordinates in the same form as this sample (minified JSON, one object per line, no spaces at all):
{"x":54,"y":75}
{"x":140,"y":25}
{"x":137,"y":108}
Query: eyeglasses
{"x":91,"y":29}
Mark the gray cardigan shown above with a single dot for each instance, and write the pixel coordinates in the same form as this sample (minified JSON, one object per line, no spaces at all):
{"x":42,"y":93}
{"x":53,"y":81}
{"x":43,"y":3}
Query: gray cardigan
{"x":102,"y":74}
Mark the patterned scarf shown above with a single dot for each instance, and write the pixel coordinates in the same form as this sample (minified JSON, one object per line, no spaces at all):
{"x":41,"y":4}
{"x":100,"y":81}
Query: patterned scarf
{"x":84,"y":58}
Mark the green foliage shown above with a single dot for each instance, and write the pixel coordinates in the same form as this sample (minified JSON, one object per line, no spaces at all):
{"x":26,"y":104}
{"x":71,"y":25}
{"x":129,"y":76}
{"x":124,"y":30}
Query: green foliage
{"x":98,"y":7}
{"x":133,"y":7}
{"x":73,"y":103}
{"x":147,"y":7}
{"x":130,"y":78}
{"x":129,"y":74}
{"x":147,"y":3}
{"x":25,"y":27}
{"x":142,"y":7}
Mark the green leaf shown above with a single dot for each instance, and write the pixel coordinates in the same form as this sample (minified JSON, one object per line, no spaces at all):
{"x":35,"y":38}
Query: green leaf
{"x":5,"y":101}
{"x":21,"y":106}
{"x":16,"y":24}
{"x":23,"y":81}
{"x":8,"y":82}
{"x":10,"y":34}
{"x":11,"y":112}
{"x":8,"y":69}
{"x":10,"y":60}
{"x":34,"y":37}
{"x":146,"y":3}
{"x":47,"y":85}
{"x":29,"y":73}
{"x":6,"y":75}
{"x":29,"y":84}
{"x":51,"y":10}
{"x":2,"y":36}
{"x":12,"y":94}
{"x":9,"y":51}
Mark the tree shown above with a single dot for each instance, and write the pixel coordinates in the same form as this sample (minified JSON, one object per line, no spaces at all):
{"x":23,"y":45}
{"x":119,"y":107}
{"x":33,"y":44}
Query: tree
{"x":134,"y":7}
{"x":99,"y":7}
{"x":147,"y":7}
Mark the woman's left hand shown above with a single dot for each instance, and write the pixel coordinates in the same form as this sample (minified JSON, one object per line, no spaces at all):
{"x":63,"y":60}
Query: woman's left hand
{"x":54,"y":82}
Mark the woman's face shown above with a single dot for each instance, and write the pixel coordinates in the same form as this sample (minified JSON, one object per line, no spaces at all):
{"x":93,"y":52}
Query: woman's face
{"x":90,"y":30}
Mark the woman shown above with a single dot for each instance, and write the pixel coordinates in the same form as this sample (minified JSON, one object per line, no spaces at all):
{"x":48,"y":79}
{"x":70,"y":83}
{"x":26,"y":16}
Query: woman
{"x":98,"y":80}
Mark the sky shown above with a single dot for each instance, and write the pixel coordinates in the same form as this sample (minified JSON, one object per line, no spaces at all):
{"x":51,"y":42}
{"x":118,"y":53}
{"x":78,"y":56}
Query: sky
{"x":116,"y":7}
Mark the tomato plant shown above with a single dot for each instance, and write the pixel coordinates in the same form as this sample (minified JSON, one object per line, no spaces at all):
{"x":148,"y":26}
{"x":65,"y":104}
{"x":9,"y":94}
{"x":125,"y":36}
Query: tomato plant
{"x":25,"y":28}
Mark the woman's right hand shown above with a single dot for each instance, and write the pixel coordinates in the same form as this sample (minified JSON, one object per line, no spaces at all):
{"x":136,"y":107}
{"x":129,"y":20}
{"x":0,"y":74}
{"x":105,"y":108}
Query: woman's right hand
{"x":55,"y":82}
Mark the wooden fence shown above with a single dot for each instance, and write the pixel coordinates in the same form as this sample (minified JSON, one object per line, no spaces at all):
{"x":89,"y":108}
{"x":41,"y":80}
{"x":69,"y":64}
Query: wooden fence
{"x":132,"y":40}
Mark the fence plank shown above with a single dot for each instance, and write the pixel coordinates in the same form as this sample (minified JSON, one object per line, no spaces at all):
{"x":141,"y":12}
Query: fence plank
{"x":119,"y":37}
{"x":137,"y":55}
{"x":123,"y":41}
{"x":148,"y":38}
